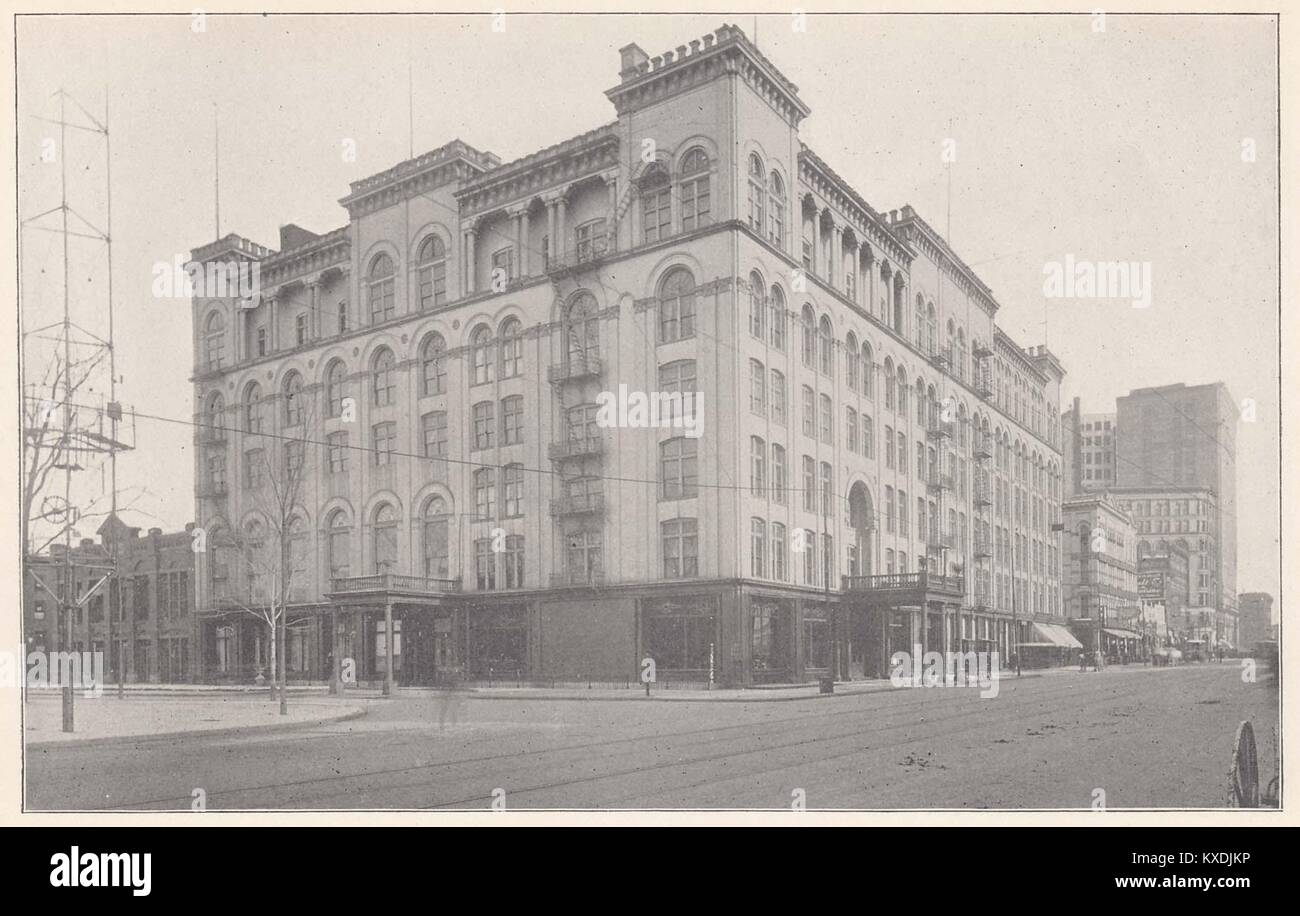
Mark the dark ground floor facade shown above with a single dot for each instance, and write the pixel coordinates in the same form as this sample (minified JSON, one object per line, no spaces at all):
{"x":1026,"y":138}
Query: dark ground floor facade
{"x":731,"y":633}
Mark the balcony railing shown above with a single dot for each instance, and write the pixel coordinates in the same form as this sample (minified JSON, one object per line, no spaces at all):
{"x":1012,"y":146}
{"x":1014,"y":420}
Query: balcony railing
{"x":583,"y":504}
{"x":576,"y":448}
{"x":983,"y":380}
{"x":938,"y":480}
{"x":941,"y":358}
{"x":983,"y":492}
{"x":393,"y":582}
{"x":983,"y":548}
{"x":572,"y":370}
{"x":905,"y":582}
{"x":983,"y":447}
{"x":584,"y":256}
{"x":939,"y":429}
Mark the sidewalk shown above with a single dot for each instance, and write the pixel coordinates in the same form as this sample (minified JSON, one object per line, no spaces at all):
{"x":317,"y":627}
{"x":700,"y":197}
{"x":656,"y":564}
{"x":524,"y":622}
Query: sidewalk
{"x":142,"y":715}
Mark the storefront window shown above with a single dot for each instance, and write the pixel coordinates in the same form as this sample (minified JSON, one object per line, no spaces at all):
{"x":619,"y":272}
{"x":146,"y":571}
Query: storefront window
{"x":768,"y":651}
{"x":816,"y":639}
{"x":680,"y":634}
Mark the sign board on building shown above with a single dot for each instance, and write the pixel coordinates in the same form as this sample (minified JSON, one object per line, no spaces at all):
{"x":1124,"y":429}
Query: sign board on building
{"x":1151,"y":585}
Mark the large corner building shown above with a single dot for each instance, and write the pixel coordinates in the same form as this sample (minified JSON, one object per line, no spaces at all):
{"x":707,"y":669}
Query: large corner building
{"x":873,"y":450}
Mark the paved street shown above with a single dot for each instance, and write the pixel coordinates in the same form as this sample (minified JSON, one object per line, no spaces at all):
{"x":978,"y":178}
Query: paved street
{"x":1147,"y":737}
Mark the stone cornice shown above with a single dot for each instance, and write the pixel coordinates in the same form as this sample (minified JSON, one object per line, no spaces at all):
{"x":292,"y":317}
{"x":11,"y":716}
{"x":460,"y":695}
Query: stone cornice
{"x":819,"y":178}
{"x":726,"y":51}
{"x":453,"y":163}
{"x":535,"y":174}
{"x":332,"y":249}
{"x":921,"y":235}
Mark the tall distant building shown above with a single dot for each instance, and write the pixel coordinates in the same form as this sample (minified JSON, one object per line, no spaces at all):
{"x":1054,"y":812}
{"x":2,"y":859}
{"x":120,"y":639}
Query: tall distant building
{"x":1088,"y":447}
{"x":1256,"y":609}
{"x":1180,"y":437}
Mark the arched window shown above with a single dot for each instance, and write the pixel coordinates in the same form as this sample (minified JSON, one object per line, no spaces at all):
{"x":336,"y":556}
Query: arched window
{"x":512,"y":348}
{"x":757,"y":194}
{"x":827,"y":339}
{"x":216,"y":415}
{"x":335,"y":376}
{"x":338,"y":544}
{"x":431,"y":270}
{"x":656,"y":203}
{"x":677,"y":306}
{"x":889,"y":384}
{"x":433,"y":366}
{"x":214,"y":341}
{"x":777,"y":299}
{"x":809,"y":325}
{"x":293,"y":407}
{"x":902,"y":391}
{"x":851,"y":361}
{"x":435,"y":538}
{"x":480,"y":344}
{"x":383,"y":382}
{"x":384,"y":531}
{"x":757,"y":306}
{"x":694,"y":186}
{"x":253,"y":408}
{"x":777,"y":203}
{"x":920,"y":325}
{"x":922,"y":401}
{"x":582,"y":331}
{"x":380,"y":289}
{"x":961,"y":354}
{"x":868,"y":371}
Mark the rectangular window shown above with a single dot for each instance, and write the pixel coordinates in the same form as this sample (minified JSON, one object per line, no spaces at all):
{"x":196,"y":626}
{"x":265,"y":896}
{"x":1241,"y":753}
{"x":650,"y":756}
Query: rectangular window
{"x":757,"y":467}
{"x":254,"y":469}
{"x":484,"y":426}
{"x":485,"y":565}
{"x":485,"y":494}
{"x":678,"y":470}
{"x":809,"y":413}
{"x":868,"y":437}
{"x":680,"y":544}
{"x":513,"y":561}
{"x":827,"y":420}
{"x":779,"y":568}
{"x":433,"y":284}
{"x":513,"y":490}
{"x":828,"y":489}
{"x":503,"y":266}
{"x":433,"y":430}
{"x":758,"y":547}
{"x":512,"y":420}
{"x":779,"y":483}
{"x":385,"y":442}
{"x":656,"y":214}
{"x":757,"y":388}
{"x":336,"y":452}
{"x":778,"y":397}
{"x":589,"y":240}
{"x":261,"y":341}
{"x":809,"y":484}
{"x":300,"y":328}
{"x":695,"y":203}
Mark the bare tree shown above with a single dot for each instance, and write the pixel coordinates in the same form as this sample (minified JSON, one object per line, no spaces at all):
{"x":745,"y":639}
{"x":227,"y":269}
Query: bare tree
{"x":268,"y":544}
{"x":45,"y":447}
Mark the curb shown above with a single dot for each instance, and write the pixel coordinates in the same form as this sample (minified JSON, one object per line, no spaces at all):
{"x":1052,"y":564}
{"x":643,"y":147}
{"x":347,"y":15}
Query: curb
{"x":214,"y":733}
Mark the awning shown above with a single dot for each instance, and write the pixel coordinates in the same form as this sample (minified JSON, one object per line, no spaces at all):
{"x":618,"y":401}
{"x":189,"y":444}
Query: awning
{"x":1122,"y":634}
{"x":1056,"y":635}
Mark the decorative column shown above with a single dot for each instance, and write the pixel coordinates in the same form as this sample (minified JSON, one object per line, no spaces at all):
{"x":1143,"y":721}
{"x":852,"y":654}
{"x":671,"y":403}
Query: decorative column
{"x":273,"y":338}
{"x":550,"y":230}
{"x":523,"y":244}
{"x":816,"y":241}
{"x":388,"y":648}
{"x":836,"y":257}
{"x":313,"y":311}
{"x":468,"y":273}
{"x":611,"y":227}
{"x":559,"y":243}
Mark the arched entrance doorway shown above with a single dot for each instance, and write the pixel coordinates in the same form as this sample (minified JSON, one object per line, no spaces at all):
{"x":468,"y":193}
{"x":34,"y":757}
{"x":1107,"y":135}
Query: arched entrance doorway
{"x":863,"y":648}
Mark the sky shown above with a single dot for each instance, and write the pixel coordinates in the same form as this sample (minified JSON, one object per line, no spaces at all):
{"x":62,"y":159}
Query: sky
{"x":1117,"y":145}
